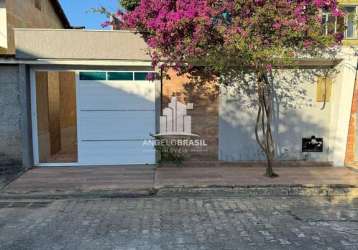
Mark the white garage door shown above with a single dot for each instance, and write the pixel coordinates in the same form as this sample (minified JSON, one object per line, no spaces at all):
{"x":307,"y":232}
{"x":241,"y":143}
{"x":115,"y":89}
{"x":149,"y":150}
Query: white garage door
{"x":116,"y":114}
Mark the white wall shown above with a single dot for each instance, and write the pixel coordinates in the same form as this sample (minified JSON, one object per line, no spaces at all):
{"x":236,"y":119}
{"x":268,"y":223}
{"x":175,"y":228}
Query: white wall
{"x":298,"y":116}
{"x":342,"y":99}
{"x":3,"y":25}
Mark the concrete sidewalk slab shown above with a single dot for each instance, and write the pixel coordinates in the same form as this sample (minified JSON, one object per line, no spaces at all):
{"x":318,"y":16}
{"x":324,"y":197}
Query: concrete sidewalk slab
{"x":9,"y":174}
{"x":243,"y":176}
{"x":79,"y":181}
{"x":138,"y":181}
{"x":250,"y":181}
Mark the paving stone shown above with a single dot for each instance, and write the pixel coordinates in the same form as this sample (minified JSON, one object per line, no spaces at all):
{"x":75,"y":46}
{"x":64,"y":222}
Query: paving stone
{"x":214,"y":222}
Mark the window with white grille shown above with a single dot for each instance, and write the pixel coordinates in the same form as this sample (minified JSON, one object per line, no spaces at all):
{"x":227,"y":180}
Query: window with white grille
{"x":346,"y":24}
{"x":3,"y":25}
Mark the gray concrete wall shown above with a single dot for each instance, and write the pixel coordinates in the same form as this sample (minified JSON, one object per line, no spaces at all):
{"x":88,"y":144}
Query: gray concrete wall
{"x":10,"y":116}
{"x":297,"y":116}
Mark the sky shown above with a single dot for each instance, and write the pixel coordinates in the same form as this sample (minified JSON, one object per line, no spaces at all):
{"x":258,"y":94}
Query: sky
{"x":79,"y":12}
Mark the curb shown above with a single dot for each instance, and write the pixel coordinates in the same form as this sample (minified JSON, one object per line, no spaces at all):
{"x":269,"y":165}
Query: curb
{"x":350,"y":191}
{"x":266,"y":190}
{"x":98,"y":194}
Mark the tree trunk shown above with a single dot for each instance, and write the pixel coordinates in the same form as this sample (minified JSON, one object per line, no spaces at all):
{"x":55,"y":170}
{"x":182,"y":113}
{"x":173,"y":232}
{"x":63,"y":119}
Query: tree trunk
{"x":263,"y":131}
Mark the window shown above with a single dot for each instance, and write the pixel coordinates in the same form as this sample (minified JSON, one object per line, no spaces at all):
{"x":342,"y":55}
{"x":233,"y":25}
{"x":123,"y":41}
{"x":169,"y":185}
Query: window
{"x":346,"y":24}
{"x":140,"y":76}
{"x":324,"y":89}
{"x":329,"y":23}
{"x":38,"y":4}
{"x":120,"y":76}
{"x":350,"y":21}
{"x":114,"y":76}
{"x":92,"y":76}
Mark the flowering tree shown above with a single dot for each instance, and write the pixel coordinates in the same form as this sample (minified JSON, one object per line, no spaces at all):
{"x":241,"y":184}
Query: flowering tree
{"x":224,"y":38}
{"x":129,"y":4}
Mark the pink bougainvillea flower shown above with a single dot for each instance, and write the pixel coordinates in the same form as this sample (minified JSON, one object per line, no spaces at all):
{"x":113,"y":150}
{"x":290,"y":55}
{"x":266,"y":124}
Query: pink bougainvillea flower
{"x":181,"y":33}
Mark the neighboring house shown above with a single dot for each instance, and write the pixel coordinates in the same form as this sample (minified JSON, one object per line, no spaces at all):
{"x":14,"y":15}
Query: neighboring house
{"x":76,"y":97}
{"x":19,"y":14}
{"x":28,"y":14}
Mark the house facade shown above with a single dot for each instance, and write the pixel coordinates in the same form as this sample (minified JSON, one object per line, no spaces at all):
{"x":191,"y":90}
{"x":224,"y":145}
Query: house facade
{"x":332,"y":120}
{"x":79,"y":98}
{"x":88,"y":106}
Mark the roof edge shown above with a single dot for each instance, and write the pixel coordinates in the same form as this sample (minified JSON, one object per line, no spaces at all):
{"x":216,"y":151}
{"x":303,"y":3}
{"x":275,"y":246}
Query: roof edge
{"x":79,"y":30}
{"x":78,"y":62}
{"x":61,"y":14}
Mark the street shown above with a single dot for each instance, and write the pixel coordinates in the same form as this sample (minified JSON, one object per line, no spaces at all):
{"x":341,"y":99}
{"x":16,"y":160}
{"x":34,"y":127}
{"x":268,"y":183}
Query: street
{"x":183,"y":222}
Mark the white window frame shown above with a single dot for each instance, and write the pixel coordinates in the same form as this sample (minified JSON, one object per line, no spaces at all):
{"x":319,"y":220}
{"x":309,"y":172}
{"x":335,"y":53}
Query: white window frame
{"x":355,"y":34}
{"x":34,"y":117}
{"x":325,"y":21}
{"x":3,"y":26}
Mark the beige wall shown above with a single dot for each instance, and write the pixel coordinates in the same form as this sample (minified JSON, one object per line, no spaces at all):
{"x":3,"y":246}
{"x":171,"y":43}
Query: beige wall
{"x":80,"y":44}
{"x":24,"y":14}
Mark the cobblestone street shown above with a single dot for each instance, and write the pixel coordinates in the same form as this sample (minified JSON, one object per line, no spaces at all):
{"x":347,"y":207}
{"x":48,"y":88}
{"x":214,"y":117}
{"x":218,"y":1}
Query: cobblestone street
{"x":180,"y":223}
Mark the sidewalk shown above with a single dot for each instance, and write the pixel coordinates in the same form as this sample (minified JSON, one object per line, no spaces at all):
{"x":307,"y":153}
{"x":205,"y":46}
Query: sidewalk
{"x":98,"y":181}
{"x":9,"y":173}
{"x":145,"y":181}
{"x":233,"y":176}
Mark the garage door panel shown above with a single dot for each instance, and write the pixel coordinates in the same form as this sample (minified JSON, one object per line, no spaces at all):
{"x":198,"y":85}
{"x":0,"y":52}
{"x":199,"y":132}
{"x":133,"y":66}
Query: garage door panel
{"x":117,"y":152}
{"x":115,"y":117}
{"x":117,"y":96}
{"x":116,"y":125}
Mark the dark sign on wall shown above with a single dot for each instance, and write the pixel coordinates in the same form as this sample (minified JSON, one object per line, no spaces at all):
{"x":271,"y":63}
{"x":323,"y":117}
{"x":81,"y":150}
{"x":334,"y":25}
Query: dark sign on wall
{"x":312,"y":144}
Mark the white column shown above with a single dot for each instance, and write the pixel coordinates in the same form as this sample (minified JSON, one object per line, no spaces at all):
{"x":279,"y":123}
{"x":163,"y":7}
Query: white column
{"x":3,"y":25}
{"x":342,"y":97}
